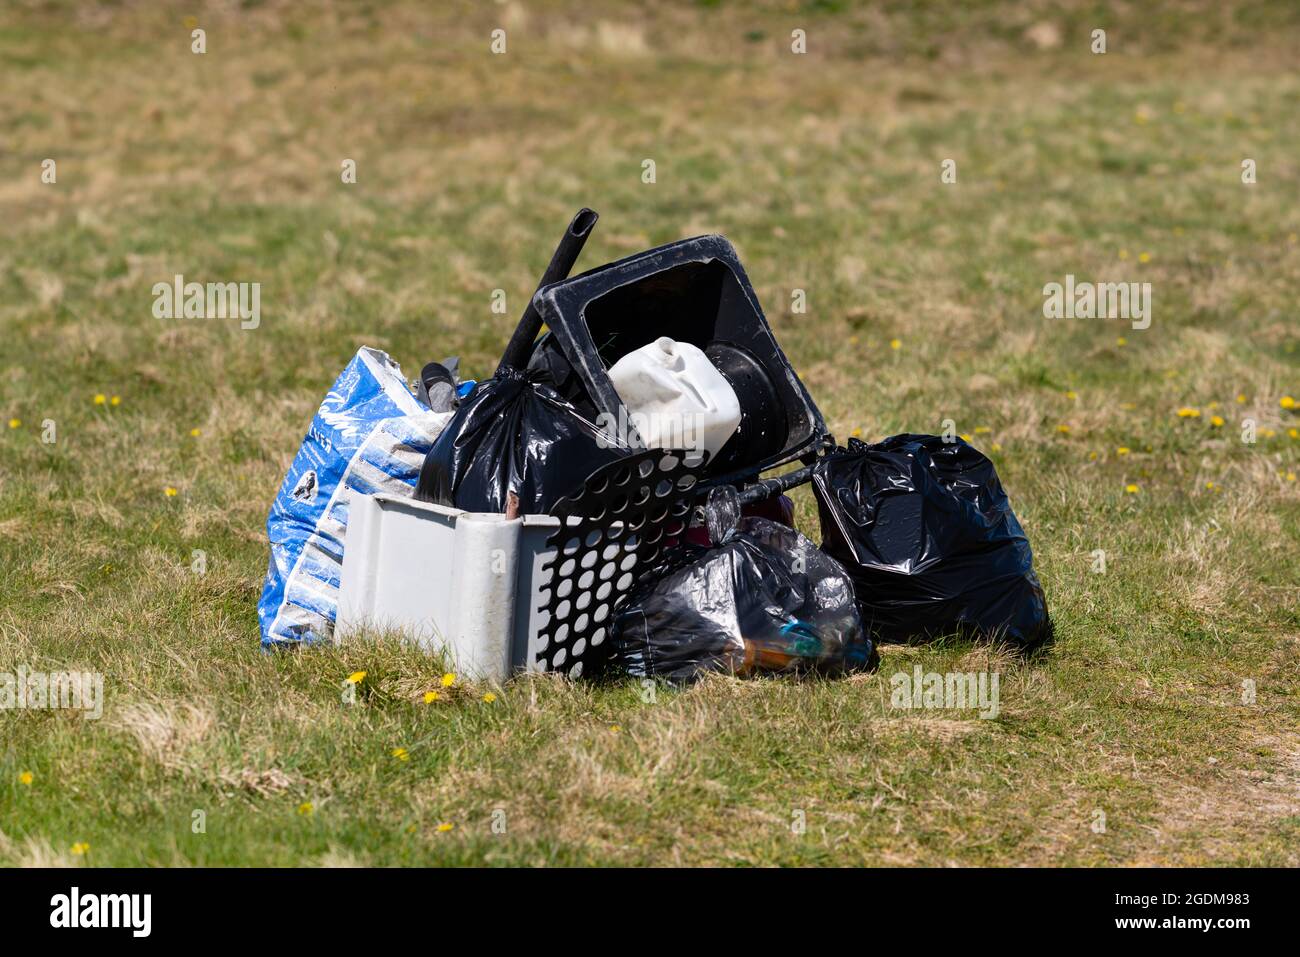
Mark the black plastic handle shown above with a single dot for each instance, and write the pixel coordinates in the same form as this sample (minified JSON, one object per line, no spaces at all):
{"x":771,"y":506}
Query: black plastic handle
{"x":566,"y":254}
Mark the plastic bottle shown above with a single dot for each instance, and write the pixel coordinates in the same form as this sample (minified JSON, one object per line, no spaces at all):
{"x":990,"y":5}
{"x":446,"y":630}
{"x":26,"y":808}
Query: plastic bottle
{"x":675,"y":397}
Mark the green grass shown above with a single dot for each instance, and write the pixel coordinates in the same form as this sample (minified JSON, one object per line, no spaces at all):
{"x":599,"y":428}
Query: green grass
{"x":823,"y":169}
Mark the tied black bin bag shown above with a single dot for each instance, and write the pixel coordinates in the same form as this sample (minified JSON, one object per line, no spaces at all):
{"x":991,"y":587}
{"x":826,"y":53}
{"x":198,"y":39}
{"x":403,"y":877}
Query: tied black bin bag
{"x":766,"y":600}
{"x":513,"y":434}
{"x":928,"y":536}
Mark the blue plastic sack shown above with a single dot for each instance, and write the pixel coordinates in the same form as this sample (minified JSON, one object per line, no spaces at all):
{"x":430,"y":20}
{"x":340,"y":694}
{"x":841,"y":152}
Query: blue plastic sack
{"x":370,"y":435}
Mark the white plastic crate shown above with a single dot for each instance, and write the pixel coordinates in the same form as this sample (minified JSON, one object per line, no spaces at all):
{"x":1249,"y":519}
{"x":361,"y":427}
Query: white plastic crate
{"x":464,"y":582}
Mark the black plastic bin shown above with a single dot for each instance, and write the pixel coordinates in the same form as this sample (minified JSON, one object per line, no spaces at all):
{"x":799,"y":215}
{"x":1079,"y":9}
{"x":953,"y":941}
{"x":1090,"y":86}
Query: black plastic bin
{"x":696,"y":291}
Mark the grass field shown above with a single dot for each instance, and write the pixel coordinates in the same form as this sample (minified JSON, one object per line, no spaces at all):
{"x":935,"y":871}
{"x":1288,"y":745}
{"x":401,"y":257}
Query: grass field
{"x":925,"y":303}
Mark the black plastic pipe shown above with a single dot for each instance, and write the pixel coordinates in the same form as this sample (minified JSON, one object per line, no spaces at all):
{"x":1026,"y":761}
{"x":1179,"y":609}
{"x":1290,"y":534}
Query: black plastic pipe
{"x":520,"y":346}
{"x":775,"y":486}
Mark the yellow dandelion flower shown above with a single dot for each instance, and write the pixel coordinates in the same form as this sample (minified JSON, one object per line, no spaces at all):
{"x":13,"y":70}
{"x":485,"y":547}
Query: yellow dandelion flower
{"x":1287,"y":402}
{"x":1241,"y":398}
{"x":1186,"y":412}
{"x":81,"y":847}
{"x":401,"y":754}
{"x":1293,"y":432}
{"x":1268,"y":433}
{"x":489,"y":697}
{"x":853,"y":340}
{"x":444,"y":828}
{"x":116,"y":400}
{"x":1216,"y":421}
{"x":26,"y":778}
{"x":982,"y":430}
{"x":895,"y":344}
{"x":14,"y":423}
{"x":1290,"y":476}
{"x":356,"y":677}
{"x":995,"y":447}
{"x":1123,"y":450}
{"x":170,"y":492}
{"x":615,"y":728}
{"x":1071,"y":394}
{"x":100,"y":398}
{"x":1128,"y":406}
{"x":448,"y":680}
{"x":1063,"y":429}
{"x":1131,"y":488}
{"x":306,"y":809}
{"x":430,"y":697}
{"x":1144,"y":258}
{"x":1211,"y":486}
{"x":1092,"y":456}
{"x":1121,"y":342}
{"x":856,"y":434}
{"x":195,"y":433}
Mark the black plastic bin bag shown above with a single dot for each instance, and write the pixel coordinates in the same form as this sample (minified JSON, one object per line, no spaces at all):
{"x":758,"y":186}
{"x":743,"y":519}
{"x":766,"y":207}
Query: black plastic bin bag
{"x":928,"y":536}
{"x":765,"y":600}
{"x":513,"y":434}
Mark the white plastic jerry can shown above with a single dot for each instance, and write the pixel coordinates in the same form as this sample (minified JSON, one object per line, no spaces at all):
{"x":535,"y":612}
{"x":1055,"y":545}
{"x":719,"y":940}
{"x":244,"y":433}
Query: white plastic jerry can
{"x":675,"y":397}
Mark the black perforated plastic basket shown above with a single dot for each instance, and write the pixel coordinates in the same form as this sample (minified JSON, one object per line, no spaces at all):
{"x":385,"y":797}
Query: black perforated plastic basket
{"x":615,"y":531}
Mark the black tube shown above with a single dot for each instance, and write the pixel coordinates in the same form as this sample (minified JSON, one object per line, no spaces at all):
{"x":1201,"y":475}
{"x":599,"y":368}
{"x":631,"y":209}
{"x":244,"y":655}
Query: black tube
{"x":566,"y":254}
{"x":775,"y":486}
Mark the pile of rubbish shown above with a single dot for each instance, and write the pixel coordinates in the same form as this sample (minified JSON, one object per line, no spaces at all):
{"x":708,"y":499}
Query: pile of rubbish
{"x":652,"y":431}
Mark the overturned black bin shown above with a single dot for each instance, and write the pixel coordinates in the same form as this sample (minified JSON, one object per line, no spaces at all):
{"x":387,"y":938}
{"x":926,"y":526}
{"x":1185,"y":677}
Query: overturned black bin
{"x":695,"y":291}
